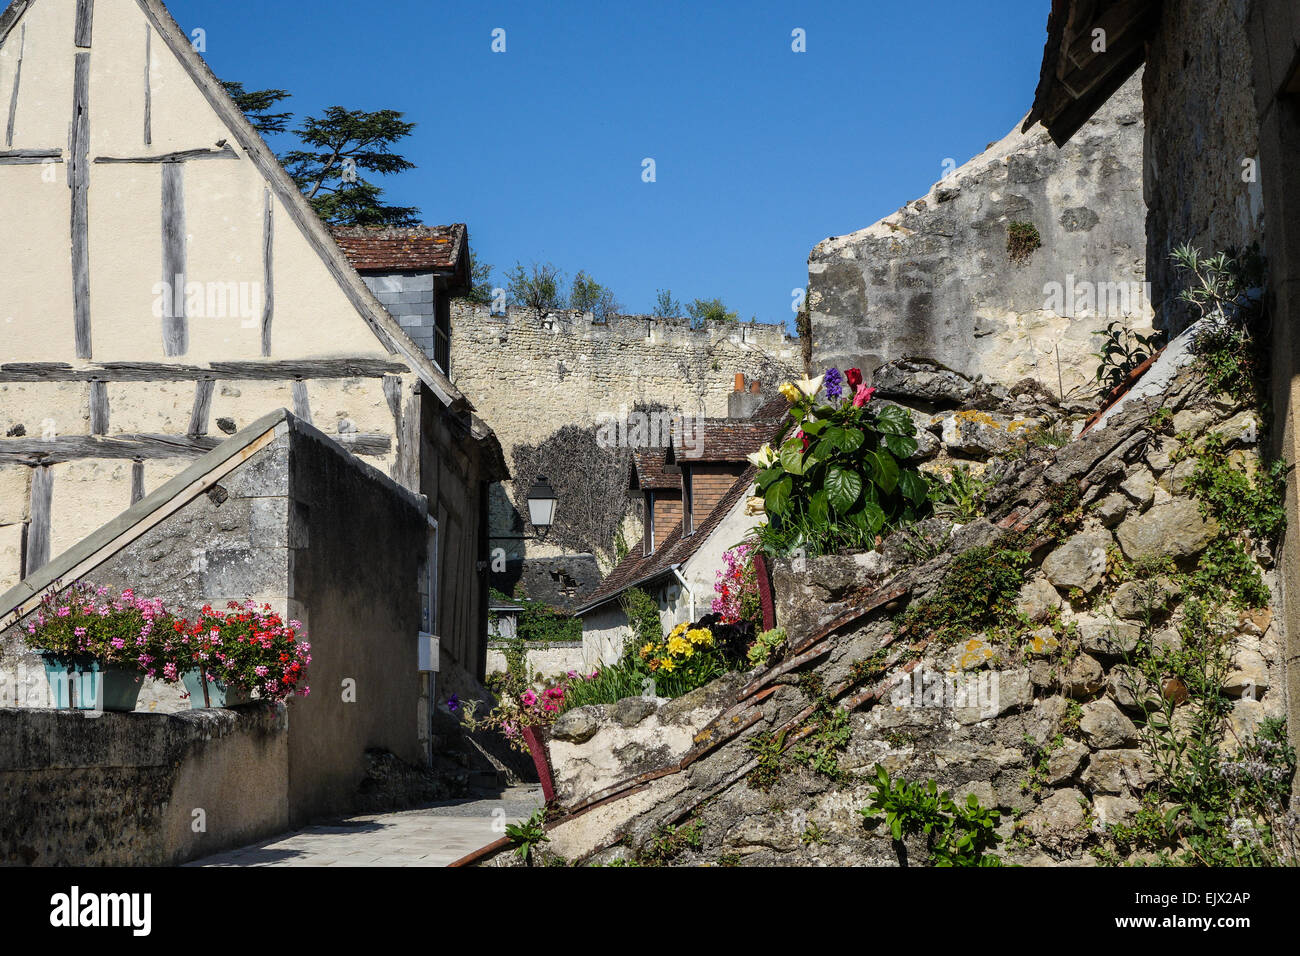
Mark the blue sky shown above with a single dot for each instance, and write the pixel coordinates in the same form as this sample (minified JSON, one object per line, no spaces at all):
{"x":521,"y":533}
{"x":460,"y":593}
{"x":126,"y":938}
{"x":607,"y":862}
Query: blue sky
{"x":760,"y":152}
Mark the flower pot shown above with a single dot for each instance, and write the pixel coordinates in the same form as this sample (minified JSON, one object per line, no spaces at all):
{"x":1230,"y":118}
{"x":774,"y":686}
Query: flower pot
{"x":84,"y":683}
{"x":219,"y":695}
{"x":541,"y":760}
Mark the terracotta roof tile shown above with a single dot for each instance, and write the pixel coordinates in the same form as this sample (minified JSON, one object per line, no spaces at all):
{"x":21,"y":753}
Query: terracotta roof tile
{"x":401,"y":248}
{"x":650,"y":470}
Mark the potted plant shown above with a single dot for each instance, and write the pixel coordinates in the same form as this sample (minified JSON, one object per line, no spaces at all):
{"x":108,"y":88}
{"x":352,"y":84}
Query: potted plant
{"x":97,"y":649}
{"x":228,"y":658}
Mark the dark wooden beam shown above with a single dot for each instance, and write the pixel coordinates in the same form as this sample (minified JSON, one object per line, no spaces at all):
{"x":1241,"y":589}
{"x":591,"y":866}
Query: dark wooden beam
{"x":79,"y":181}
{"x":175,"y":329}
{"x":13,"y":96}
{"x":301,"y":406}
{"x":283,"y":369}
{"x":30,"y":157}
{"x":148,"y":85}
{"x":268,"y":273}
{"x":203,"y":389}
{"x":406,"y":469}
{"x":224,"y":151}
{"x":99,"y":408}
{"x":137,"y":481}
{"x":29,"y":451}
{"x":85,"y":22}
{"x":38,"y":530}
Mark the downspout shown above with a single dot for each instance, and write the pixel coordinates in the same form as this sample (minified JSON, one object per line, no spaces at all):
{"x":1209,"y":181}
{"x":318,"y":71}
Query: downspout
{"x":677,"y":572}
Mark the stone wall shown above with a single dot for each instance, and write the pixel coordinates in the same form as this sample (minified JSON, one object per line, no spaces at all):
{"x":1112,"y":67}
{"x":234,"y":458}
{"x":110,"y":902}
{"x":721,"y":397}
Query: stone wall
{"x":550,"y":659}
{"x":1046,"y":689}
{"x":139,"y":789}
{"x":934,"y":280}
{"x":1201,"y":127}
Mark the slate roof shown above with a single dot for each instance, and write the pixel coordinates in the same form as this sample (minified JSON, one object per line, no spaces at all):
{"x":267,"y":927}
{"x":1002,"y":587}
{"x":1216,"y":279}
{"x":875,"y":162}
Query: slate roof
{"x":402,"y":248}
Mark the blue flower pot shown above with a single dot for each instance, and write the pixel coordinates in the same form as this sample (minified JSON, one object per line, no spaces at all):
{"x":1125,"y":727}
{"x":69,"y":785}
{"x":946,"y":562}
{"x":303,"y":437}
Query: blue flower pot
{"x":84,"y":683}
{"x":219,"y":695}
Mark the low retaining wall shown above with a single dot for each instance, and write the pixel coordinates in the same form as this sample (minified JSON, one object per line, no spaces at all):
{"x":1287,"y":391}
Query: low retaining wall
{"x":548,"y":660}
{"x":139,"y":789}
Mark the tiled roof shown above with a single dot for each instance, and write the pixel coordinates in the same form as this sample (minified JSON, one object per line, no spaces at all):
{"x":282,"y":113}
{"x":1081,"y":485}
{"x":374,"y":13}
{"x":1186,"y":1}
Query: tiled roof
{"x":722,"y":439}
{"x":651,"y":471}
{"x":402,"y":248}
{"x":638,"y":568}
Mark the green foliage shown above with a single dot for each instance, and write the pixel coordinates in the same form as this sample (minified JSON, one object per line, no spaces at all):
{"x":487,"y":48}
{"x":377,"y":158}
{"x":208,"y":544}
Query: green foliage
{"x":527,"y":836}
{"x":480,"y":276}
{"x":541,"y":623}
{"x":848,"y":485}
{"x":830,"y":735}
{"x":764,"y":645}
{"x":257,"y":105}
{"x":642,"y":616}
{"x":813,"y":835}
{"x":1122,"y":350}
{"x":337,"y":148}
{"x":956,"y":834}
{"x":669,"y":842}
{"x":768,"y":748}
{"x":666,"y":307}
{"x":1225,"y":288}
{"x":590,"y":296}
{"x":539,"y":287}
{"x":1022,"y":240}
{"x":977,"y":592}
{"x":961,"y":497}
{"x":1231,"y":494}
{"x":704,"y":311}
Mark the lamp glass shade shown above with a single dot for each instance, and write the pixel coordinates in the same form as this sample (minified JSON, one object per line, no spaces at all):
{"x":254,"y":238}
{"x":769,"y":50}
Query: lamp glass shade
{"x":541,"y":503}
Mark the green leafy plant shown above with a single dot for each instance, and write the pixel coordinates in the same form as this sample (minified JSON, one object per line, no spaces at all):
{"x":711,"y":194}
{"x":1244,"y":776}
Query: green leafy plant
{"x":956,"y":834}
{"x":1122,"y":350}
{"x":842,"y":474}
{"x":527,"y":836}
{"x":767,"y":748}
{"x":669,"y":842}
{"x":831,"y":732}
{"x":977,"y":592}
{"x":961,"y":496}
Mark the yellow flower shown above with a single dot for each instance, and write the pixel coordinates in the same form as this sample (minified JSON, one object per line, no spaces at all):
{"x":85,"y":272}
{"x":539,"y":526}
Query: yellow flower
{"x":700,"y":635}
{"x":647,"y":650}
{"x":679,"y":630}
{"x":678,"y":645}
{"x":667,"y":663}
{"x":789,"y":391}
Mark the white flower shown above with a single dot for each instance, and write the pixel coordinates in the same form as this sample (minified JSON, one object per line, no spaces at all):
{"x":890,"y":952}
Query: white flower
{"x":810,"y":386}
{"x":762,"y":458}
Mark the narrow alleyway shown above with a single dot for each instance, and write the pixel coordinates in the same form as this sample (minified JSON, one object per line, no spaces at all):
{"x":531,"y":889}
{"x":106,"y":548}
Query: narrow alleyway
{"x":430,"y":836}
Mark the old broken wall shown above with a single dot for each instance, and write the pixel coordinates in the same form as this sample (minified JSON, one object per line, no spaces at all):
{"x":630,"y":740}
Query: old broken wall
{"x":934,"y":280}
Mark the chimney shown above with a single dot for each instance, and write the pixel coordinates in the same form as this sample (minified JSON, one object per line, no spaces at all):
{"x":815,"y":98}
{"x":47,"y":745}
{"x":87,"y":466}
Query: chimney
{"x":742,"y":403}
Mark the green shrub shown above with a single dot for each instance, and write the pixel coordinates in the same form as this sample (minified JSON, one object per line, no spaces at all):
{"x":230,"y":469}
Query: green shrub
{"x":956,"y":834}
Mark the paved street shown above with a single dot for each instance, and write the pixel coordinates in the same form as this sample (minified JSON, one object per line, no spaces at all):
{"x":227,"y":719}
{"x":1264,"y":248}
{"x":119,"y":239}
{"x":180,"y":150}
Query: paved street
{"x":430,"y":836}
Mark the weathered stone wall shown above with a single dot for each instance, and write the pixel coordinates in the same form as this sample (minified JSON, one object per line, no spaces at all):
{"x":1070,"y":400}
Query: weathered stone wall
{"x":552,"y":659}
{"x":529,"y":375}
{"x":1051,"y":710}
{"x":934,"y":280}
{"x":1201,"y":127}
{"x":139,"y":790}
